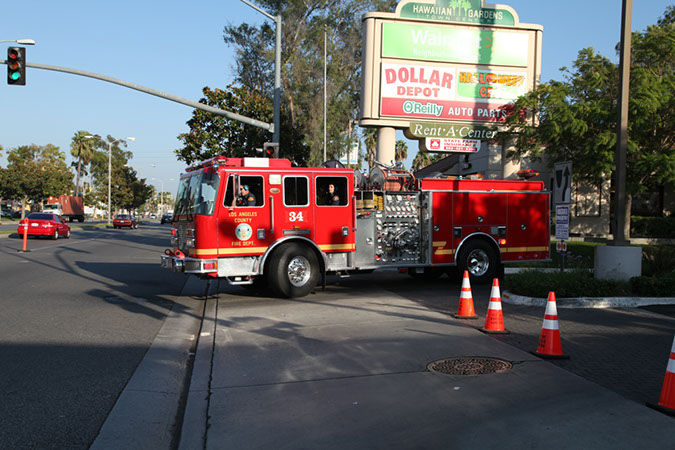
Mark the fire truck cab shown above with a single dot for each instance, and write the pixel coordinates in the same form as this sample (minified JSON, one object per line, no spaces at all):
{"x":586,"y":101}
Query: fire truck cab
{"x":252,"y":219}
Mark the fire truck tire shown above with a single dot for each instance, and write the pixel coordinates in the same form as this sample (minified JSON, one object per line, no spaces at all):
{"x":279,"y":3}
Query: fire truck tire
{"x":293,"y":270}
{"x":481,"y":260}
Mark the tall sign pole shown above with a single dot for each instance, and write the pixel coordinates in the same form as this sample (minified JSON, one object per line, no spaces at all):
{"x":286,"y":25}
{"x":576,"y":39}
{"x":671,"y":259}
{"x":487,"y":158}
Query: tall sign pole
{"x":622,"y":122}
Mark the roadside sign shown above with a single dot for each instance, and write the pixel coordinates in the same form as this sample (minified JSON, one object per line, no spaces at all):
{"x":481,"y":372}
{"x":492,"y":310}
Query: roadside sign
{"x":561,"y":246}
{"x":562,"y":222}
{"x":562,"y":183}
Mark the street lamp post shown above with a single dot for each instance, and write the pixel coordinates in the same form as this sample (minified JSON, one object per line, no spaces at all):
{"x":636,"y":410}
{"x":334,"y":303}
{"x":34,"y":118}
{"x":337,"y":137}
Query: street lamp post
{"x":110,"y":144}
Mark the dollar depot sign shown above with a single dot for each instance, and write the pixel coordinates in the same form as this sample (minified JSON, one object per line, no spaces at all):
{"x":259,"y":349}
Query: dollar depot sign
{"x":459,"y":61}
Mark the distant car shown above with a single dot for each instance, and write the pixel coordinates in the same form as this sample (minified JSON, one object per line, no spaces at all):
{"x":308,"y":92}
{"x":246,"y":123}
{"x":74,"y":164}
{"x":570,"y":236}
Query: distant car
{"x":153,"y":216}
{"x":125,"y":220}
{"x":167,"y":218}
{"x":7,"y":213}
{"x":44,"y":224}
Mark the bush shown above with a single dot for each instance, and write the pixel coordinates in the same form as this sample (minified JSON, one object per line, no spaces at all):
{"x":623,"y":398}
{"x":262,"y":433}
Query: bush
{"x":658,"y":260}
{"x":654,"y":286}
{"x":580,"y":283}
{"x":572,"y":283}
{"x":657,"y":227}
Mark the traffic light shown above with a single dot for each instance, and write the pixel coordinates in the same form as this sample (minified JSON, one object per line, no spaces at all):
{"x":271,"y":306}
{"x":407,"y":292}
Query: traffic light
{"x":271,"y":149}
{"x":16,"y":66}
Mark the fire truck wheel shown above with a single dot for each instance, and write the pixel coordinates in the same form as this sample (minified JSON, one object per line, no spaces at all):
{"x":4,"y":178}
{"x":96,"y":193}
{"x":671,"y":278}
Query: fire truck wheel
{"x":481,"y":260}
{"x":293,"y":270}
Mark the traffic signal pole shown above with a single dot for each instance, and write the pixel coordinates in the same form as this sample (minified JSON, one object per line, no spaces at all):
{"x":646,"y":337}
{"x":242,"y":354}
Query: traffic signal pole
{"x":230,"y":115}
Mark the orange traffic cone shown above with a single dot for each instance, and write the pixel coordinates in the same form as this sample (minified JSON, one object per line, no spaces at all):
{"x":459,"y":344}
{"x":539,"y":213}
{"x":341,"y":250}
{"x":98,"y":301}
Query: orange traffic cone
{"x":465,"y":310}
{"x":549,"y":339}
{"x":667,"y":399}
{"x":494,"y":321}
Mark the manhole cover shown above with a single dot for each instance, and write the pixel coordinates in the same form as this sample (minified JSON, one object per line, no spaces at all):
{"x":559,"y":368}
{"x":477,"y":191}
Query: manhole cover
{"x":469,"y":366}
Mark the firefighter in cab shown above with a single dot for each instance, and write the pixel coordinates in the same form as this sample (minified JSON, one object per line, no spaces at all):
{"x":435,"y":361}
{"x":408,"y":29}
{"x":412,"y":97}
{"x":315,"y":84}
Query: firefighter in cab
{"x":334,"y":198}
{"x":245,"y":198}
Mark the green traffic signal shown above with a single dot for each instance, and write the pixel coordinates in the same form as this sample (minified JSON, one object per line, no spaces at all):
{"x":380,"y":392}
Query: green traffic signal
{"x":16,"y":66}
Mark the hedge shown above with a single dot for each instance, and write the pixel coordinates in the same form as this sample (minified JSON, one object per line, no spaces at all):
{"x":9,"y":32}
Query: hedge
{"x":582,"y":283}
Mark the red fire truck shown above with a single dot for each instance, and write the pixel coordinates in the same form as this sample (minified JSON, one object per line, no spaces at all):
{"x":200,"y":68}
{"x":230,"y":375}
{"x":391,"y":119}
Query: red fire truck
{"x":298,"y":224}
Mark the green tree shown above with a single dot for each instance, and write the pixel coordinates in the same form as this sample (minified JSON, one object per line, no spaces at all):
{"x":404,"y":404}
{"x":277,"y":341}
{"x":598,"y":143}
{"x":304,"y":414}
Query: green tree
{"x":304,"y":25}
{"x":35,"y":172}
{"x":82,"y":149}
{"x":126,"y":190}
{"x":577,"y":116}
{"x":211,"y":135}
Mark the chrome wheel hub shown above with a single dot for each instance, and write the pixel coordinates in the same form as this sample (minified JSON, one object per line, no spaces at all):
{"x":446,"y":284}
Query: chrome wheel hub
{"x":478,"y":263}
{"x":299,"y":271}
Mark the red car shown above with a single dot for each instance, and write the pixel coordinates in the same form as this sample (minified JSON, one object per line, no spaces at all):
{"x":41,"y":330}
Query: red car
{"x":125,"y":220}
{"x":44,"y":224}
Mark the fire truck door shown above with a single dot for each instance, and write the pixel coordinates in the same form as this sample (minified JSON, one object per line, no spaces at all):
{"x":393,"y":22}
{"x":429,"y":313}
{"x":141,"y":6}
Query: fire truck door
{"x":442,"y":248}
{"x":292,"y":209}
{"x":243,"y":228}
{"x":334,"y":213}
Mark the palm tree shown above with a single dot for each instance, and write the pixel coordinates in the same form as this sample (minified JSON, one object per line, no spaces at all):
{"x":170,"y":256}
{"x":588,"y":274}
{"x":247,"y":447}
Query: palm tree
{"x":401,"y":151}
{"x":81,"y":148}
{"x":371,"y":146}
{"x":421,"y":161}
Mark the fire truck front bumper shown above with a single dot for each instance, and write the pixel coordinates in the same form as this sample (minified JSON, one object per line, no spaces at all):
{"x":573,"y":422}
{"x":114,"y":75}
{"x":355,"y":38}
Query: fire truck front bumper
{"x":189,"y":265}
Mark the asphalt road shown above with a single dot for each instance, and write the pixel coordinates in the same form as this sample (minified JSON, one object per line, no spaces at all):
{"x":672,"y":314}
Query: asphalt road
{"x":76,"y":317}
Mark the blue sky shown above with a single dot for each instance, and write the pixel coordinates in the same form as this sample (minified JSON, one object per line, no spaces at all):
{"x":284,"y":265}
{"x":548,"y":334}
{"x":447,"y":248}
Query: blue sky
{"x":177,"y":47}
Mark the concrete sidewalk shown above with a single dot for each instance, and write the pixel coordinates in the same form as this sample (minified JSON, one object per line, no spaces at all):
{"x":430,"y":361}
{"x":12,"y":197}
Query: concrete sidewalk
{"x":348,"y":369}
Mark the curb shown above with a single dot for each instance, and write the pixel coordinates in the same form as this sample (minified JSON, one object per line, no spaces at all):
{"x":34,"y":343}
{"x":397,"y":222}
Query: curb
{"x":195,"y":420}
{"x":588,"y":302}
{"x":146,"y":412}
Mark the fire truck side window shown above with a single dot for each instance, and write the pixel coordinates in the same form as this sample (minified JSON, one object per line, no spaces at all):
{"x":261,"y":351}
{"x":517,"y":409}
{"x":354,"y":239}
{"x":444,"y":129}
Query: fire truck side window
{"x":255,"y":196}
{"x":331,"y":191}
{"x":296,"y":191}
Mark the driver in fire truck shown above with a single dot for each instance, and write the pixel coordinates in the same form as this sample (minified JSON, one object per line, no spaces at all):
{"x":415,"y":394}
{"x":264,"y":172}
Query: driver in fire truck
{"x":245,"y":198}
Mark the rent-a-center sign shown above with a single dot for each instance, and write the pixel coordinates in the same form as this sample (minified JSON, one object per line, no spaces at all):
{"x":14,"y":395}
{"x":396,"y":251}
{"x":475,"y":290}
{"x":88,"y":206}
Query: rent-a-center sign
{"x":448,"y":60}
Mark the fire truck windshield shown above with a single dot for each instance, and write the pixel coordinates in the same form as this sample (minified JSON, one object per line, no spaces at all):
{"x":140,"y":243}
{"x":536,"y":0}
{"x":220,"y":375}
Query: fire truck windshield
{"x":197,"y":194}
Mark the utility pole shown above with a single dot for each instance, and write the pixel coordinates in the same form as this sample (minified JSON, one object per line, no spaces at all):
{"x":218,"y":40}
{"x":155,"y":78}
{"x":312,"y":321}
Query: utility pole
{"x":622,"y":125}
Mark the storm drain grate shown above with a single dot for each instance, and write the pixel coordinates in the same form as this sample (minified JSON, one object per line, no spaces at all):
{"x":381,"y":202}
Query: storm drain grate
{"x":469,"y":366}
